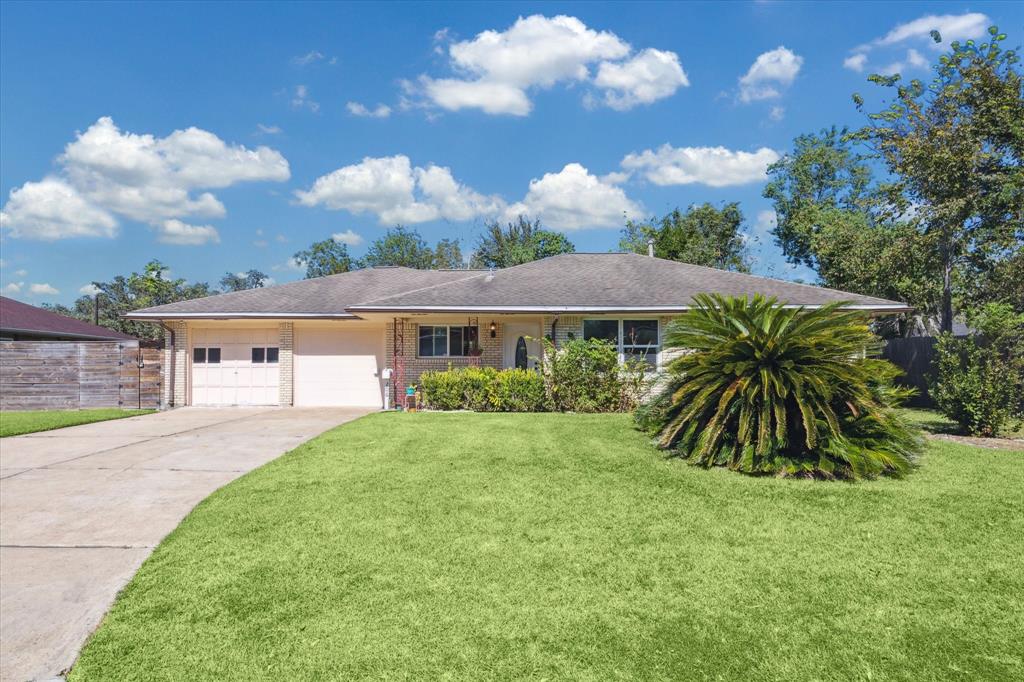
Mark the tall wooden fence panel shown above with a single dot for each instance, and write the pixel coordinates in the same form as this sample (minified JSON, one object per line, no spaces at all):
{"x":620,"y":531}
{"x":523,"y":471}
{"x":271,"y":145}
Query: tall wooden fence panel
{"x":70,"y":375}
{"x":914,"y":356}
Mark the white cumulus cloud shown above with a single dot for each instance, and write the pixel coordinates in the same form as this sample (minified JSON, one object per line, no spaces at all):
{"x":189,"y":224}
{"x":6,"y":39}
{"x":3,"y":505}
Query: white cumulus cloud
{"x":348,"y":237}
{"x":390,"y":188}
{"x":52,"y":209}
{"x":43,"y":289}
{"x":856,"y":62}
{"x":496,"y":70}
{"x":106,"y":172}
{"x":712,"y":166}
{"x":395,"y":191}
{"x":182,"y":234}
{"x":13,"y":287}
{"x":770,"y":73}
{"x":89,"y":289}
{"x":967,"y":26}
{"x":357,"y":109}
{"x":575,"y":199}
{"x":647,"y":77}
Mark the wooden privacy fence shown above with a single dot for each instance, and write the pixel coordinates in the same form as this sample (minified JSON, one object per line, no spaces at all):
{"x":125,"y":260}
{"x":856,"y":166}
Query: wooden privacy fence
{"x":914,"y":355}
{"x":71,"y":375}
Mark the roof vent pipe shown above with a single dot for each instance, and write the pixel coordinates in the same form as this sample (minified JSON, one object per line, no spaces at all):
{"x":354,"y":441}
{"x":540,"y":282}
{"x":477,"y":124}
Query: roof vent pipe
{"x":490,"y":274}
{"x":650,"y":248}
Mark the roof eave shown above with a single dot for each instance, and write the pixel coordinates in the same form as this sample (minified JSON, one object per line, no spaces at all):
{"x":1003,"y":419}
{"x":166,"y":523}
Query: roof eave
{"x":157,"y":316}
{"x":582,"y":309}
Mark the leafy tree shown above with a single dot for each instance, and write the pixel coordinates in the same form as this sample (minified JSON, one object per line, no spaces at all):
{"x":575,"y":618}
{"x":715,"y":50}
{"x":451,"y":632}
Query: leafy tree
{"x":956,"y":150}
{"x":765,"y":389}
{"x":122,"y":295}
{"x":855,"y":232}
{"x":327,"y":257}
{"x":516,"y":243}
{"x":406,"y":247}
{"x":448,"y":255}
{"x":400,"y":246}
{"x":251,"y":279}
{"x":703,"y":235}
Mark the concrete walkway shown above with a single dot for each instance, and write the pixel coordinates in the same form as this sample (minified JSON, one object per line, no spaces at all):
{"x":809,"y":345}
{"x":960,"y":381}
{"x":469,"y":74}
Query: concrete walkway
{"x":82,"y":507}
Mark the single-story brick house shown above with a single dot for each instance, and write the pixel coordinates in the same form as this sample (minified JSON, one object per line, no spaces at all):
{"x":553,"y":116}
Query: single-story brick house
{"x":330,"y":340}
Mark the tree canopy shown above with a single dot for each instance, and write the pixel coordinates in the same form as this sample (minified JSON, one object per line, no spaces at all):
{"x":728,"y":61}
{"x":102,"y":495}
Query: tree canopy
{"x":121,"y":295}
{"x":326,"y":257}
{"x":955,"y":148}
{"x":517,"y":242}
{"x":251,"y":279}
{"x":703,"y":235}
{"x":406,"y":247}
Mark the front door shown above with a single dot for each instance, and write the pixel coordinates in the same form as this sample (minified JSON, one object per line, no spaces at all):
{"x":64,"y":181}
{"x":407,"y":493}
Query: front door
{"x":521,"y":346}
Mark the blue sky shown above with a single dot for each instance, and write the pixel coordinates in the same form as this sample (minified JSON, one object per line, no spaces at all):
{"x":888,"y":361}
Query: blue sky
{"x":224,"y":137}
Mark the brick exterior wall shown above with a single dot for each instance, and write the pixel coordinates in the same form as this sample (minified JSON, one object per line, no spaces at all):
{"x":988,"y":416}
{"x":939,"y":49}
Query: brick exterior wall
{"x":492,"y":354}
{"x":286,"y":364}
{"x":175,"y":365}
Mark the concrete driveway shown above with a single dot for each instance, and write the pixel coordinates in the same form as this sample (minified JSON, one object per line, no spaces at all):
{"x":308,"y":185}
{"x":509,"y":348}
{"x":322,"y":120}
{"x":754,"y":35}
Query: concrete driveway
{"x":82,"y":507}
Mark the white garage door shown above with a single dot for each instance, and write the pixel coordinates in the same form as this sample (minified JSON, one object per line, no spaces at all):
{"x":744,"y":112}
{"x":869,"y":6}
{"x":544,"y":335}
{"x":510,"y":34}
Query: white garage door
{"x":339,"y":367}
{"x":235,"y":367}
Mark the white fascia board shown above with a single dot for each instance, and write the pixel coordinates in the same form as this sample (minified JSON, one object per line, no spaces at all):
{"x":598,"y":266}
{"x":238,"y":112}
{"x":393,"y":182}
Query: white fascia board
{"x":238,"y":316}
{"x":889,"y":307}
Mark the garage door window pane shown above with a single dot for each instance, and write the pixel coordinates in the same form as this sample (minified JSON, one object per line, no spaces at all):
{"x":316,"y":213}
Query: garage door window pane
{"x":213,"y":355}
{"x":272,"y":355}
{"x":258,"y":355}
{"x":199,"y":355}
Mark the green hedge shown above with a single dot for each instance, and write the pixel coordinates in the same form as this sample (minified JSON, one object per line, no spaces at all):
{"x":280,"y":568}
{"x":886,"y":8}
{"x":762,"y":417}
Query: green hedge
{"x":578,"y":376}
{"x":483,"y":389}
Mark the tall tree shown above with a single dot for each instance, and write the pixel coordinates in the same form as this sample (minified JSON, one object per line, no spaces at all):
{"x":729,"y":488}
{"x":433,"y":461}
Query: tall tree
{"x":448,"y":255}
{"x":251,"y":279}
{"x":122,"y":295}
{"x":956,"y":148}
{"x":327,"y":257}
{"x":406,"y":247}
{"x":516,"y":243}
{"x":855,"y":232}
{"x":703,"y":235}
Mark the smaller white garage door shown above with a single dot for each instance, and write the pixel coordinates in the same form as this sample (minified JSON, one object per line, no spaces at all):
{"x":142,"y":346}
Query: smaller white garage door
{"x":335,"y":367}
{"x":235,"y":366}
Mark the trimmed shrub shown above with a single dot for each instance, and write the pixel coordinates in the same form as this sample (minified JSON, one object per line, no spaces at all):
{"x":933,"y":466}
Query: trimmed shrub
{"x":443,"y":390}
{"x":582,"y":376}
{"x":766,"y":389}
{"x":579,"y":376}
{"x":517,"y":390}
{"x":979,"y":380}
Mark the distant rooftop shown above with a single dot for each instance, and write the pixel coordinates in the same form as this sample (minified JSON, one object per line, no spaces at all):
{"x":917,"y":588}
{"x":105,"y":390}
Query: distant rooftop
{"x":24,"y":319}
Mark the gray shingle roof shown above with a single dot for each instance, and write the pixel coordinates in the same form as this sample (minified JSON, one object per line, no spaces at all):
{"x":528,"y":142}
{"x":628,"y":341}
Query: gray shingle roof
{"x":325,"y":296}
{"x":613,"y":281}
{"x":570,"y":282}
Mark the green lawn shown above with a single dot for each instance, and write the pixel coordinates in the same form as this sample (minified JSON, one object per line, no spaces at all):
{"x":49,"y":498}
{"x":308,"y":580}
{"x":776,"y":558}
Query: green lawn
{"x":551,"y":546}
{"x":17,"y":423}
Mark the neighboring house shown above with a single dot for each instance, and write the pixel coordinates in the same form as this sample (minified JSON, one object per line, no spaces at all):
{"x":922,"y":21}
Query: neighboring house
{"x":328,"y":341}
{"x":22,"y":322}
{"x":50,"y":361}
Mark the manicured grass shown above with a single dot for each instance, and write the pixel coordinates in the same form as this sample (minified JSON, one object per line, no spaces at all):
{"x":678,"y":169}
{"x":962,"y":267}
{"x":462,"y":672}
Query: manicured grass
{"x":550,"y":546}
{"x":18,"y":423}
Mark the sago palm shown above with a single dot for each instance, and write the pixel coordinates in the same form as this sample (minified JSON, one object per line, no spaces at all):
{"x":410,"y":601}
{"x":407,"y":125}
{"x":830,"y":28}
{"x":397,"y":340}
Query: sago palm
{"x":764,"y":388}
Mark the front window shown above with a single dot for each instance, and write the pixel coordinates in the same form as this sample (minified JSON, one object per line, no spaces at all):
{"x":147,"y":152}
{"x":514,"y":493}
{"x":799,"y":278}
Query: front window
{"x":440,"y":341}
{"x":634,"y":339}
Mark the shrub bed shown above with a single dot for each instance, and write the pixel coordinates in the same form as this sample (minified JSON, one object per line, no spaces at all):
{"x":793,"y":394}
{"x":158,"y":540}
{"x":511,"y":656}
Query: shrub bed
{"x":578,"y":376}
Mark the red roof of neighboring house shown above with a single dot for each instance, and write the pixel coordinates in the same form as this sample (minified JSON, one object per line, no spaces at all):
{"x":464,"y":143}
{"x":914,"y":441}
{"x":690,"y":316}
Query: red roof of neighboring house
{"x":18,"y":317}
